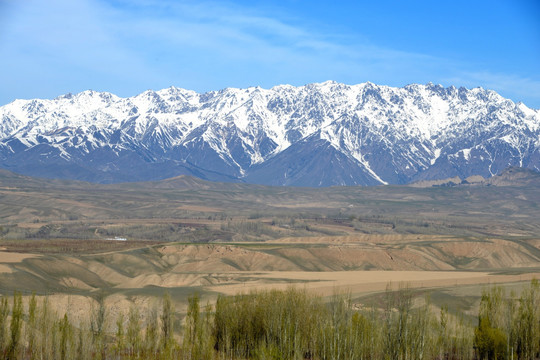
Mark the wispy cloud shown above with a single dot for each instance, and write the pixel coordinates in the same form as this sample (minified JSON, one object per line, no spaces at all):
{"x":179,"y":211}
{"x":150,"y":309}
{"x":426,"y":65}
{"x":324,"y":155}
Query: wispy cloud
{"x":128,"y":46}
{"x":243,"y":41}
{"x":508,"y":85}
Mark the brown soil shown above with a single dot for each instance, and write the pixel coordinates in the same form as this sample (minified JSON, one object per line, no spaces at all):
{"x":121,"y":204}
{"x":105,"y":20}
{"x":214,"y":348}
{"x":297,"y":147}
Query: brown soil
{"x":362,"y":282}
{"x":9,"y":257}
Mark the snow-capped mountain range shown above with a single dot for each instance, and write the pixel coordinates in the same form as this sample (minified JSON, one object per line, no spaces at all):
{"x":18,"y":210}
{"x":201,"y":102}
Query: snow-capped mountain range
{"x":314,"y":135}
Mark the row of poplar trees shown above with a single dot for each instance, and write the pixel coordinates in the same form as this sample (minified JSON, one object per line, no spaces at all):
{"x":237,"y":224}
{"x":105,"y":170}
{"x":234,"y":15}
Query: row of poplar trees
{"x":291,"y":324}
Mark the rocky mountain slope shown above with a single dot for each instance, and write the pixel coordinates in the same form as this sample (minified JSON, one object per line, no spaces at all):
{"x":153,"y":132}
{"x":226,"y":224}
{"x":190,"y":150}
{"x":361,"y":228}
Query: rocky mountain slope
{"x":315,"y":135}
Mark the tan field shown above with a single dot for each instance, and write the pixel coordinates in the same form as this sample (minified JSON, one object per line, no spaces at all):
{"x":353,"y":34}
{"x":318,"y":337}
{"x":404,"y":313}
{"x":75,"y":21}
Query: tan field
{"x":364,"y":282}
{"x":7,"y":257}
{"x":322,"y":265}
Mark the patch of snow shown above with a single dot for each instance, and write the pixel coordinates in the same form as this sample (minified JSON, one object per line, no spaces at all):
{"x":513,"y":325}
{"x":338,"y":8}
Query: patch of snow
{"x":466,"y":154}
{"x":436,"y":155}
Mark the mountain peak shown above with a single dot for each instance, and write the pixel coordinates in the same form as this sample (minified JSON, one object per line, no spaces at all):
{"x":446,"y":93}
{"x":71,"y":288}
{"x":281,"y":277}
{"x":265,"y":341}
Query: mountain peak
{"x":321,"y":134}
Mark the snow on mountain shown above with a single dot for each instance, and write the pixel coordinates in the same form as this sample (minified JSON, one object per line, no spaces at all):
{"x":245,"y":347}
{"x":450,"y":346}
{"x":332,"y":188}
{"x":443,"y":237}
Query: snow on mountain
{"x":317,"y":135}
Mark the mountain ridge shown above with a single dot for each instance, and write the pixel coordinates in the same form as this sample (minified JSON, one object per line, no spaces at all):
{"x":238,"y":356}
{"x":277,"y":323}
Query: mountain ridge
{"x":314,"y":135}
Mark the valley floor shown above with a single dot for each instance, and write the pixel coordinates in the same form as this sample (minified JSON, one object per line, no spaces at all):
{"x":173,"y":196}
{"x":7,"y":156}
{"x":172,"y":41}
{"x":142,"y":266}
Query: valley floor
{"x":322,"y":265}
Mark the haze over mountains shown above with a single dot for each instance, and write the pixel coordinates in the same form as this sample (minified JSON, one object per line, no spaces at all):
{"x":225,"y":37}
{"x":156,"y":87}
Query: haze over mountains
{"x":315,"y":135}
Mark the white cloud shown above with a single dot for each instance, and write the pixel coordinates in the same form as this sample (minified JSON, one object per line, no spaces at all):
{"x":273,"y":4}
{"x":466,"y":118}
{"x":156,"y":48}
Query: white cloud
{"x":240,"y":41}
{"x":57,"y":46}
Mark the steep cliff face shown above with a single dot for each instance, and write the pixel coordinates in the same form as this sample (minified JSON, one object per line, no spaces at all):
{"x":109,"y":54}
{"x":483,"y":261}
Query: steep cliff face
{"x":315,"y":135}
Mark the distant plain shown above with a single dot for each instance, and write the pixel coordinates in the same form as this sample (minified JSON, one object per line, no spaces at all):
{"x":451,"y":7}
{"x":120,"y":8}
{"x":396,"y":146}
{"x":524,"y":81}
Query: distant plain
{"x":184,"y":235}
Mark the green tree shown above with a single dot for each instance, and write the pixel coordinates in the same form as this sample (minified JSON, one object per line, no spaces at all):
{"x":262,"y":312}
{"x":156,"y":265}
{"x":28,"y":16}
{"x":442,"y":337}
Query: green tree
{"x":167,"y":328}
{"x":151,"y":338}
{"x":66,"y":338}
{"x":396,"y":324}
{"x":15,"y":326}
{"x":32,"y":327}
{"x":192,"y":329}
{"x":4,"y":313}
{"x":46,"y":330}
{"x":490,"y":342}
{"x":528,"y":327}
{"x":133,"y":333}
{"x":120,"y":344}
{"x":97,"y":326}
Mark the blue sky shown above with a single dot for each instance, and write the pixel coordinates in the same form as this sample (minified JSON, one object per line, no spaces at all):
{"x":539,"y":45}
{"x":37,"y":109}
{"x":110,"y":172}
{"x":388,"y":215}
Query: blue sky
{"x":48,"y":48}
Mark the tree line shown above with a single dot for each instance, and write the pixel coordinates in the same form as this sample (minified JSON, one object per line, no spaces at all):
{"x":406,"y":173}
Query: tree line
{"x":290,"y":324}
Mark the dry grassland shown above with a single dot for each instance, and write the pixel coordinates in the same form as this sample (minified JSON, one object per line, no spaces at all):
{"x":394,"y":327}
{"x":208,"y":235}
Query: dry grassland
{"x":186,"y":235}
{"x":322,"y":265}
